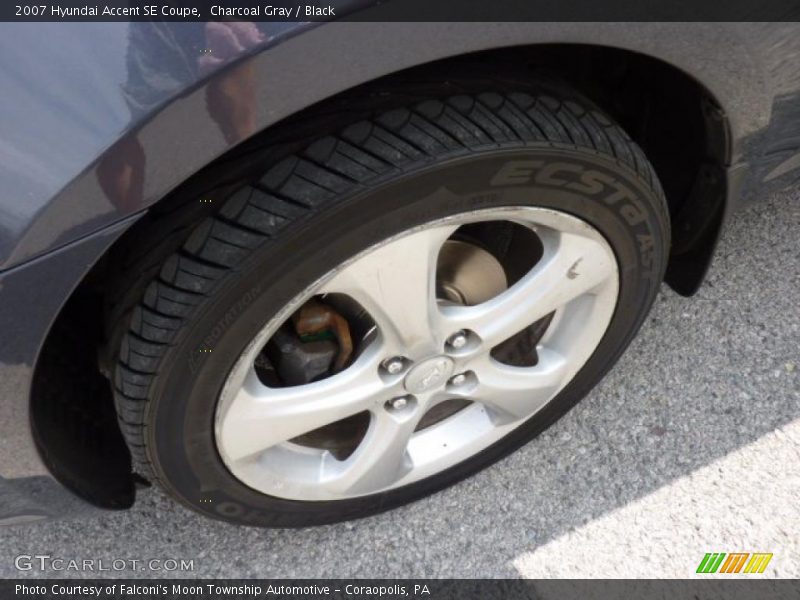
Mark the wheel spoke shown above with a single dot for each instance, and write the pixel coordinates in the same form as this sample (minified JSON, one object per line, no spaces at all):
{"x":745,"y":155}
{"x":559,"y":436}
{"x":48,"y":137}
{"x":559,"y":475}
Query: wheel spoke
{"x":514,"y":393}
{"x":396,"y":284}
{"x":574,"y":266}
{"x":380,"y":459}
{"x":260,"y":417}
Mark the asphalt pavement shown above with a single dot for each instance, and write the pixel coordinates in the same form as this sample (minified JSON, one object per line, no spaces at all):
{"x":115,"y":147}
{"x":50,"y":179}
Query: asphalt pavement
{"x":690,"y":445}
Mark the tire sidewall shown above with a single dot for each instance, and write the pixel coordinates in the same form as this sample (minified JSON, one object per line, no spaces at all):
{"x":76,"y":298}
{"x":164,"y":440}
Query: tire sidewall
{"x":180,"y":416}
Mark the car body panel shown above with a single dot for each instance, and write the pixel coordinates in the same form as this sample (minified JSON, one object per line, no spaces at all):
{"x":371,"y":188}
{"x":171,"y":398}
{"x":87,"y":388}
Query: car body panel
{"x":54,"y":148}
{"x":31,"y":296}
{"x":93,"y":134}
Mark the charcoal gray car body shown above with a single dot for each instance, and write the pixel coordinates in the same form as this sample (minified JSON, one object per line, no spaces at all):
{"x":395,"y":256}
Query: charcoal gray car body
{"x":77,"y":98}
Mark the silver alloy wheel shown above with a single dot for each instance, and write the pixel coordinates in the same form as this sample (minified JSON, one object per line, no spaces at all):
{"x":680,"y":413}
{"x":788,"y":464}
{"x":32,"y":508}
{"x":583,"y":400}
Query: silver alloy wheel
{"x":446,"y":351}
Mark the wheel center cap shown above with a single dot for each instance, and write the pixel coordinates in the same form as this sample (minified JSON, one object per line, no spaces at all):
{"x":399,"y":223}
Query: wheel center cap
{"x":429,"y":374}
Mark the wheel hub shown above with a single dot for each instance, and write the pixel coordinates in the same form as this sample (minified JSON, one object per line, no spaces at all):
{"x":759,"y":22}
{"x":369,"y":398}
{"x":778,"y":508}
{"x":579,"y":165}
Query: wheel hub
{"x":429,"y":375}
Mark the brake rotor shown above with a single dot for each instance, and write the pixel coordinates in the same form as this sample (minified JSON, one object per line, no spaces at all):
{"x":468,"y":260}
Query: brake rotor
{"x":467,"y":274}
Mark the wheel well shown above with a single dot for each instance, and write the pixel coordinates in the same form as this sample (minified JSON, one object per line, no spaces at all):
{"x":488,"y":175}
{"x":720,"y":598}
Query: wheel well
{"x":680,"y":127}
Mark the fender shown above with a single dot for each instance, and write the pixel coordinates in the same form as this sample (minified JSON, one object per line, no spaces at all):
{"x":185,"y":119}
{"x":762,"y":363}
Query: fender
{"x":110,"y":145}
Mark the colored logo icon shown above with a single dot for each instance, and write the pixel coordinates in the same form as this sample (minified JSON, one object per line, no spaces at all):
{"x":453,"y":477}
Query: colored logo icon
{"x":735,"y":562}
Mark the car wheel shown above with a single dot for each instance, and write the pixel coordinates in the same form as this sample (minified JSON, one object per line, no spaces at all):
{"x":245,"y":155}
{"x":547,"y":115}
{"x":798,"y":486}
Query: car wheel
{"x":390,"y":308}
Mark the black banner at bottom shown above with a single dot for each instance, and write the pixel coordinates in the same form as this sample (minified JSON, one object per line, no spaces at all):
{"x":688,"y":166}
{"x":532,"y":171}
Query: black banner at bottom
{"x":395,"y":589}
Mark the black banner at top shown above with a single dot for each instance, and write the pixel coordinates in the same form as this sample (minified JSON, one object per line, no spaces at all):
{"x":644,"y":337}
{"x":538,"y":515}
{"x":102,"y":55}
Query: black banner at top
{"x":400,"y":10}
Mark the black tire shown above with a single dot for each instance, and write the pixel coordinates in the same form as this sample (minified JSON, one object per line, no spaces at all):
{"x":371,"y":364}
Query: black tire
{"x":293,"y":219}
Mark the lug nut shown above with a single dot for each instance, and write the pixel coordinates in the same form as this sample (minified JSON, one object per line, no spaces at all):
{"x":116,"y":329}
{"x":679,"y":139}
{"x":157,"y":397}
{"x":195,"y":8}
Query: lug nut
{"x":459,"y":379}
{"x":393,"y":365}
{"x":398,"y":403}
{"x":458,"y":340}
